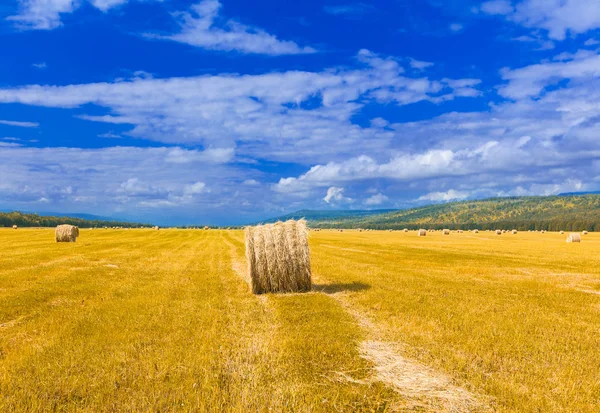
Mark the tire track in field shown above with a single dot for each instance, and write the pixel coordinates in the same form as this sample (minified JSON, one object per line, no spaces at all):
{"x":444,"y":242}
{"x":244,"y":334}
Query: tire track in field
{"x":424,"y":387}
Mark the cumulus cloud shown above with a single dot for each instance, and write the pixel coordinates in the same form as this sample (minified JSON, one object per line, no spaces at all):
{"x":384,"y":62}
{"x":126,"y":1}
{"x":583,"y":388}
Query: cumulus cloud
{"x":531,"y":80}
{"x":211,"y":155}
{"x":194,"y":189}
{"x":450,"y":195}
{"x":105,"y":5}
{"x":46,"y":14}
{"x":502,"y":7}
{"x":265,"y":115}
{"x":557,"y":17}
{"x":402,"y":167}
{"x":335,"y":195}
{"x":204,"y":27}
{"x":376,"y":199}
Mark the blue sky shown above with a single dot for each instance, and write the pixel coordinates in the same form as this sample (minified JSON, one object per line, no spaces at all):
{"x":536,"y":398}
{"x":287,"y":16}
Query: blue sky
{"x":226,"y":112}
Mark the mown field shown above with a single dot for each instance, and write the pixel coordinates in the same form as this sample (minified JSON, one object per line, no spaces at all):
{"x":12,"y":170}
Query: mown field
{"x":163,"y":321}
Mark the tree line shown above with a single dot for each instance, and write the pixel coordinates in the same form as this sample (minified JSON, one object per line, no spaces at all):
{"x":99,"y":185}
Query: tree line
{"x":8,"y":219}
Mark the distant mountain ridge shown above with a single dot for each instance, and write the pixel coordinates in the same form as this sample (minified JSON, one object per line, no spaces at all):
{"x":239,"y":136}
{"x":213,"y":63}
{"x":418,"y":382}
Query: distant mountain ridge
{"x":553,"y":213}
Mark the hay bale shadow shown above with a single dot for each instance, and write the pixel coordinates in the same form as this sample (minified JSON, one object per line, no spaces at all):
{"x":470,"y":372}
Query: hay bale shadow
{"x":340,"y":287}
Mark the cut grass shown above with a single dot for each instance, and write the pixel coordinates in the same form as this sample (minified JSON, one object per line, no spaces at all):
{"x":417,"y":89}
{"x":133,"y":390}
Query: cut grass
{"x":508,"y":317}
{"x":158,"y":321}
{"x":147,"y":320}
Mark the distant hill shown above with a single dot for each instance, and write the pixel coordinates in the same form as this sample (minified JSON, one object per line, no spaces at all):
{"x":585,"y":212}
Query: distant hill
{"x":579,"y":193}
{"x":8,"y":219}
{"x":316,"y":215}
{"x":575,"y":212}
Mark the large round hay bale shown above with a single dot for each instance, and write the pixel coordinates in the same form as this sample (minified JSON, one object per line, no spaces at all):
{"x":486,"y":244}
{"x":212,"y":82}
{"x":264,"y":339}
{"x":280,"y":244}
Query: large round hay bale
{"x":156,"y":228}
{"x":446,"y":232}
{"x":562,"y":232}
{"x":498,"y":232}
{"x":278,"y":257}
{"x":475,"y":231}
{"x":574,"y":237}
{"x":514,"y":231}
{"x":584,"y":232}
{"x":405,"y":229}
{"x":66,"y":233}
{"x":15,"y":227}
{"x":422,"y":232}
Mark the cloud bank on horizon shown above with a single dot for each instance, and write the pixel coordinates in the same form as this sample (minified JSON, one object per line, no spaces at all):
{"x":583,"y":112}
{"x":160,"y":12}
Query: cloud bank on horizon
{"x":225,"y":112}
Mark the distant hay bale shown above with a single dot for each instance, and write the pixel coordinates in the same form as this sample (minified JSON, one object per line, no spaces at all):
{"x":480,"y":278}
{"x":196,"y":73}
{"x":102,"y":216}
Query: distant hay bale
{"x":66,"y":233}
{"x":514,"y":231}
{"x":156,"y":228}
{"x":278,"y":257}
{"x":475,"y":231}
{"x":584,"y":232}
{"x":205,"y":228}
{"x":562,"y":232}
{"x":543,"y":232}
{"x":574,"y":237}
{"x":15,"y":227}
{"x":498,"y":232}
{"x":446,"y":232}
{"x":405,"y":229}
{"x":422,"y":232}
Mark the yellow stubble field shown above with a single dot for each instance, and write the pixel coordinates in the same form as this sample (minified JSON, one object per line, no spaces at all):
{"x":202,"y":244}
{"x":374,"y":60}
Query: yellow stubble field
{"x":164,"y":321}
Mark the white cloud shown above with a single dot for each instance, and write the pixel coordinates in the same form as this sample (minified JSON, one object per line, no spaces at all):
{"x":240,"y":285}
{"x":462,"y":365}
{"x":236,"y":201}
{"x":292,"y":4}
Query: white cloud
{"x":262,"y":115}
{"x":557,"y":17}
{"x":450,"y":195}
{"x":569,"y":185}
{"x":41,"y":65}
{"x":194,"y":189}
{"x":202,"y":27}
{"x":401,"y":167}
{"x":113,"y":179}
{"x":419,"y":64}
{"x":211,"y":155}
{"x":9,"y":145}
{"x":105,"y":5}
{"x":497,"y":7}
{"x":591,"y":42}
{"x":42,"y":14}
{"x":19,"y":124}
{"x":376,"y":199}
{"x":531,"y":80}
{"x":110,"y":135}
{"x":456,"y":27}
{"x":46,"y":14}
{"x":335,"y":195}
